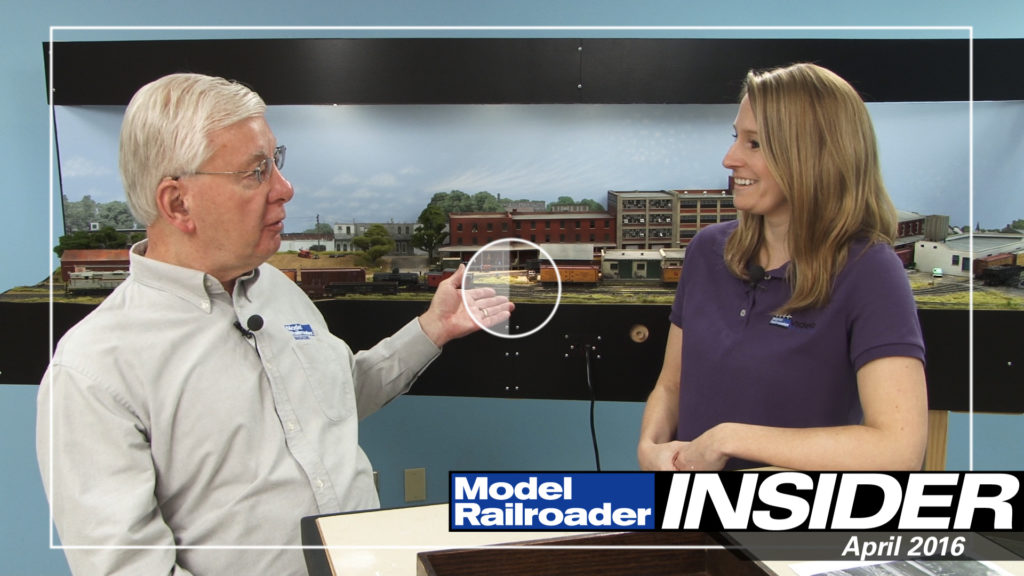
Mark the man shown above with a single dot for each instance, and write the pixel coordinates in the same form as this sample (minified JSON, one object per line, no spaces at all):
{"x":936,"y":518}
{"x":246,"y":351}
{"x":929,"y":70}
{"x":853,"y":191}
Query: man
{"x":204,"y":406}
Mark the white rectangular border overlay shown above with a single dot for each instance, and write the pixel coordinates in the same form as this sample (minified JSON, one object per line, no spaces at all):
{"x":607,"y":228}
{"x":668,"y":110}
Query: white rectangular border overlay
{"x":968,"y":29}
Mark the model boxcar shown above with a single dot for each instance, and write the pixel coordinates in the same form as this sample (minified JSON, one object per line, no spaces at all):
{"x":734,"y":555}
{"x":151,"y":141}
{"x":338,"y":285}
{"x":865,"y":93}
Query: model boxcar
{"x":435,"y":277}
{"x":314,"y":281}
{"x":981,"y":263}
{"x":575,"y":274}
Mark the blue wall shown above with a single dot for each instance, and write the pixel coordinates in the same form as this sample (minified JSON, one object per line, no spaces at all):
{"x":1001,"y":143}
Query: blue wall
{"x":479,"y":433}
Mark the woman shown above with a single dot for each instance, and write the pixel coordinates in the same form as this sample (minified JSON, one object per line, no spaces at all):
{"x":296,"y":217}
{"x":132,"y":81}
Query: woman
{"x":803,"y":348}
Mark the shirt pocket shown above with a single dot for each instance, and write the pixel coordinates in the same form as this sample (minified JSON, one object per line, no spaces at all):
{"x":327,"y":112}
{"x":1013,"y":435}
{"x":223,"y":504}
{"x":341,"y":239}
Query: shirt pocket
{"x":328,"y":378}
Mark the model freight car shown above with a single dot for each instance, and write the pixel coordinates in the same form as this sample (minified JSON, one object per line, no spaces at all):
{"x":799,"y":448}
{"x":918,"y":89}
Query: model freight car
{"x":981,"y":263}
{"x":335,"y":289}
{"x":447,"y":268}
{"x":435,"y":277}
{"x":671,"y":274}
{"x":314,"y":281}
{"x":1002,"y":275}
{"x":571,"y":274}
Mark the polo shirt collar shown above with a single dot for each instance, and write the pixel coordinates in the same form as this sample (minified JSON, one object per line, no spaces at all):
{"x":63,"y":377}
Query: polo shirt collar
{"x":779,"y":272}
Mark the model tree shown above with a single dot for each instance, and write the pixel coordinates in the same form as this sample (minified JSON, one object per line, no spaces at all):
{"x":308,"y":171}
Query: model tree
{"x":592,"y":205}
{"x":87,"y":214}
{"x":104,"y":238}
{"x":374,"y":244}
{"x":431,"y":231}
{"x":458,"y":201}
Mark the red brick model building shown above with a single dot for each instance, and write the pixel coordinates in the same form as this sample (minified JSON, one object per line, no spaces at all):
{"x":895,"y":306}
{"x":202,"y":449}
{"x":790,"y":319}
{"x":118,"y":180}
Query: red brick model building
{"x":477,"y":229}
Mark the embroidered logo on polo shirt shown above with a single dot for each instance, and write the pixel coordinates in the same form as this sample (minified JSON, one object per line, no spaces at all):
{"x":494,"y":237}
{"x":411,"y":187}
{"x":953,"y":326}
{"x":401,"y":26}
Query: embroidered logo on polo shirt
{"x":786,"y":321}
{"x":300,"y":331}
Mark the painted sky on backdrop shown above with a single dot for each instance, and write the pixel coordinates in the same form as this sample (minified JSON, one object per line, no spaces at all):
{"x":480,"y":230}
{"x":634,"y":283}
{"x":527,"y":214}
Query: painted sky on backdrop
{"x":380,"y":163}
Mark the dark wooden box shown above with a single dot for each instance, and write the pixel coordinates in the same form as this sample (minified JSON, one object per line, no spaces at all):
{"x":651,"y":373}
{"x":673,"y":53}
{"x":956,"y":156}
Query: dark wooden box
{"x":613,"y":554}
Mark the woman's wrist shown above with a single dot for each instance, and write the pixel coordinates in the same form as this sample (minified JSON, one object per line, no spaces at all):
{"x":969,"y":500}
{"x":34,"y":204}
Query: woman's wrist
{"x":718,"y":444}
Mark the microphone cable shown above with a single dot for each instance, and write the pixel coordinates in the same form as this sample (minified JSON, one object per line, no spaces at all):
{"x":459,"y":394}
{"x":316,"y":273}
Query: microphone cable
{"x":256,"y":345}
{"x":252,"y":325}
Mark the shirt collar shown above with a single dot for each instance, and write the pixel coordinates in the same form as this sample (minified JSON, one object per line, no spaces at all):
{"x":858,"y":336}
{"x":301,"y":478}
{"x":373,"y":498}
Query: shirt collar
{"x":779,"y":272}
{"x":245,"y":283}
{"x":193,"y":286}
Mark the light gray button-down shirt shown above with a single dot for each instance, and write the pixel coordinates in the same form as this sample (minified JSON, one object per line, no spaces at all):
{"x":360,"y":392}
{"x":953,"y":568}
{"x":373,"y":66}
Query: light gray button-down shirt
{"x":161,"y":426}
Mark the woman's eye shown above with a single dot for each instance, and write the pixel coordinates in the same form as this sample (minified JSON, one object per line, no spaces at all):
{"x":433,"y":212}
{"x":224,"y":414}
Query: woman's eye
{"x":753,"y":144}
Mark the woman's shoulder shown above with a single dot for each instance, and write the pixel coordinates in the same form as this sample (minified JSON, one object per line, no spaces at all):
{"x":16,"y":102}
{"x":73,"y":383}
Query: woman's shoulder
{"x":864,"y":254}
{"x":715,"y":234}
{"x":873,"y":266}
{"x":719,"y":229}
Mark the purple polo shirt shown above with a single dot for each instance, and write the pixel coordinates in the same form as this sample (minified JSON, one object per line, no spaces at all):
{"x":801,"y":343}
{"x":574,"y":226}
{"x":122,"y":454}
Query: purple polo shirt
{"x":743,"y":364}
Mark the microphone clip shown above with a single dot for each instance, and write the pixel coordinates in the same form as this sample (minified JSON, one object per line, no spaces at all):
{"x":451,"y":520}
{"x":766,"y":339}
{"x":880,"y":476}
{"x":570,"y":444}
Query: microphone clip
{"x":755,"y":274}
{"x":252,"y":325}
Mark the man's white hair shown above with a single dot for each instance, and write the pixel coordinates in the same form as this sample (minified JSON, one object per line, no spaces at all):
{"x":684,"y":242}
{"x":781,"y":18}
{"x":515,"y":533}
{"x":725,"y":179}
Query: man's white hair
{"x":166,"y":129}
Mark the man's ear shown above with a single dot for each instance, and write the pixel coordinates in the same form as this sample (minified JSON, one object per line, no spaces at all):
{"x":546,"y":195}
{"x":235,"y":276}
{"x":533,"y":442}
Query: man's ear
{"x":172,"y":202}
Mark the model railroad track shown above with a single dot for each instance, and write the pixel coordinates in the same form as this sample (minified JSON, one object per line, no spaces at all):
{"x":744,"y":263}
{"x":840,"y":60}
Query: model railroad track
{"x":624,"y":291}
{"x":942,"y":289}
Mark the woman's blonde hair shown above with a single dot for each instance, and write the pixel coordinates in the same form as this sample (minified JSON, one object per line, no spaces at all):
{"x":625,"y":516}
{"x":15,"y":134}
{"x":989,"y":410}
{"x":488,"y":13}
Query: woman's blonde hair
{"x":166,"y":129}
{"x":819,"y":144}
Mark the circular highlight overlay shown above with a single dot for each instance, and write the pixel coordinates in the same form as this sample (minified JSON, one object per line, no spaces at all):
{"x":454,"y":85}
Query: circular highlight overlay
{"x":522,"y":272}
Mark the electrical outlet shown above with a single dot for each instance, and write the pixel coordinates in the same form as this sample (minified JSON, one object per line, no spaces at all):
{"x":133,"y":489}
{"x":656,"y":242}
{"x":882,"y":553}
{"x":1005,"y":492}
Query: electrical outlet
{"x":415,"y":484}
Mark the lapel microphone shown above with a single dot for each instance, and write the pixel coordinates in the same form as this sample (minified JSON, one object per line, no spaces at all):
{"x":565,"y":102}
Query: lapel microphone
{"x":253,"y":324}
{"x":755,"y":273}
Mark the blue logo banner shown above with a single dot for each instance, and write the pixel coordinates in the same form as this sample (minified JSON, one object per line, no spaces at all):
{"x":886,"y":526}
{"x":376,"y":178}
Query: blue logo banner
{"x":551,"y":501}
{"x":300,"y":331}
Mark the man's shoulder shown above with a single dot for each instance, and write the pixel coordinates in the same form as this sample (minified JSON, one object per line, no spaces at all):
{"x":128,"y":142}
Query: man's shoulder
{"x":115,"y":311}
{"x":103,"y":335}
{"x":273,"y":273}
{"x":276,"y":281}
{"x":274,"y":288}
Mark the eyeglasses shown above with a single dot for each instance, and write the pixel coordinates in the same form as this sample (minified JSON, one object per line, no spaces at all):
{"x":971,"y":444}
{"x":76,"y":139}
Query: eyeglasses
{"x":261,"y":172}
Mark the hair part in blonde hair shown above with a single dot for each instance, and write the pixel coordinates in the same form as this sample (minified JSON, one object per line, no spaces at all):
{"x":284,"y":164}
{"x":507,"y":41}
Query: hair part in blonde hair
{"x":166,"y":129}
{"x":819,"y":144}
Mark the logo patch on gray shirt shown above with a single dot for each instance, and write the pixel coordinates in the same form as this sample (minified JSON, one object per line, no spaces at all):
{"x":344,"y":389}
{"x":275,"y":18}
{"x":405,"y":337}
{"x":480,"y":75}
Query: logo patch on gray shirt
{"x":300,"y":331}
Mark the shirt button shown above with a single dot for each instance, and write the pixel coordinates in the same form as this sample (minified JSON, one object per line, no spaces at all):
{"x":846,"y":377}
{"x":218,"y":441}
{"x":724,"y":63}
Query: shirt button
{"x":743,"y":313}
{"x":320,"y":484}
{"x":291,"y":426}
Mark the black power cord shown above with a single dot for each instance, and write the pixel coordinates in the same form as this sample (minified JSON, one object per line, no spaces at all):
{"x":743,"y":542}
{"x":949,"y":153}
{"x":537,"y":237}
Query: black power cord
{"x":593,"y":401}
